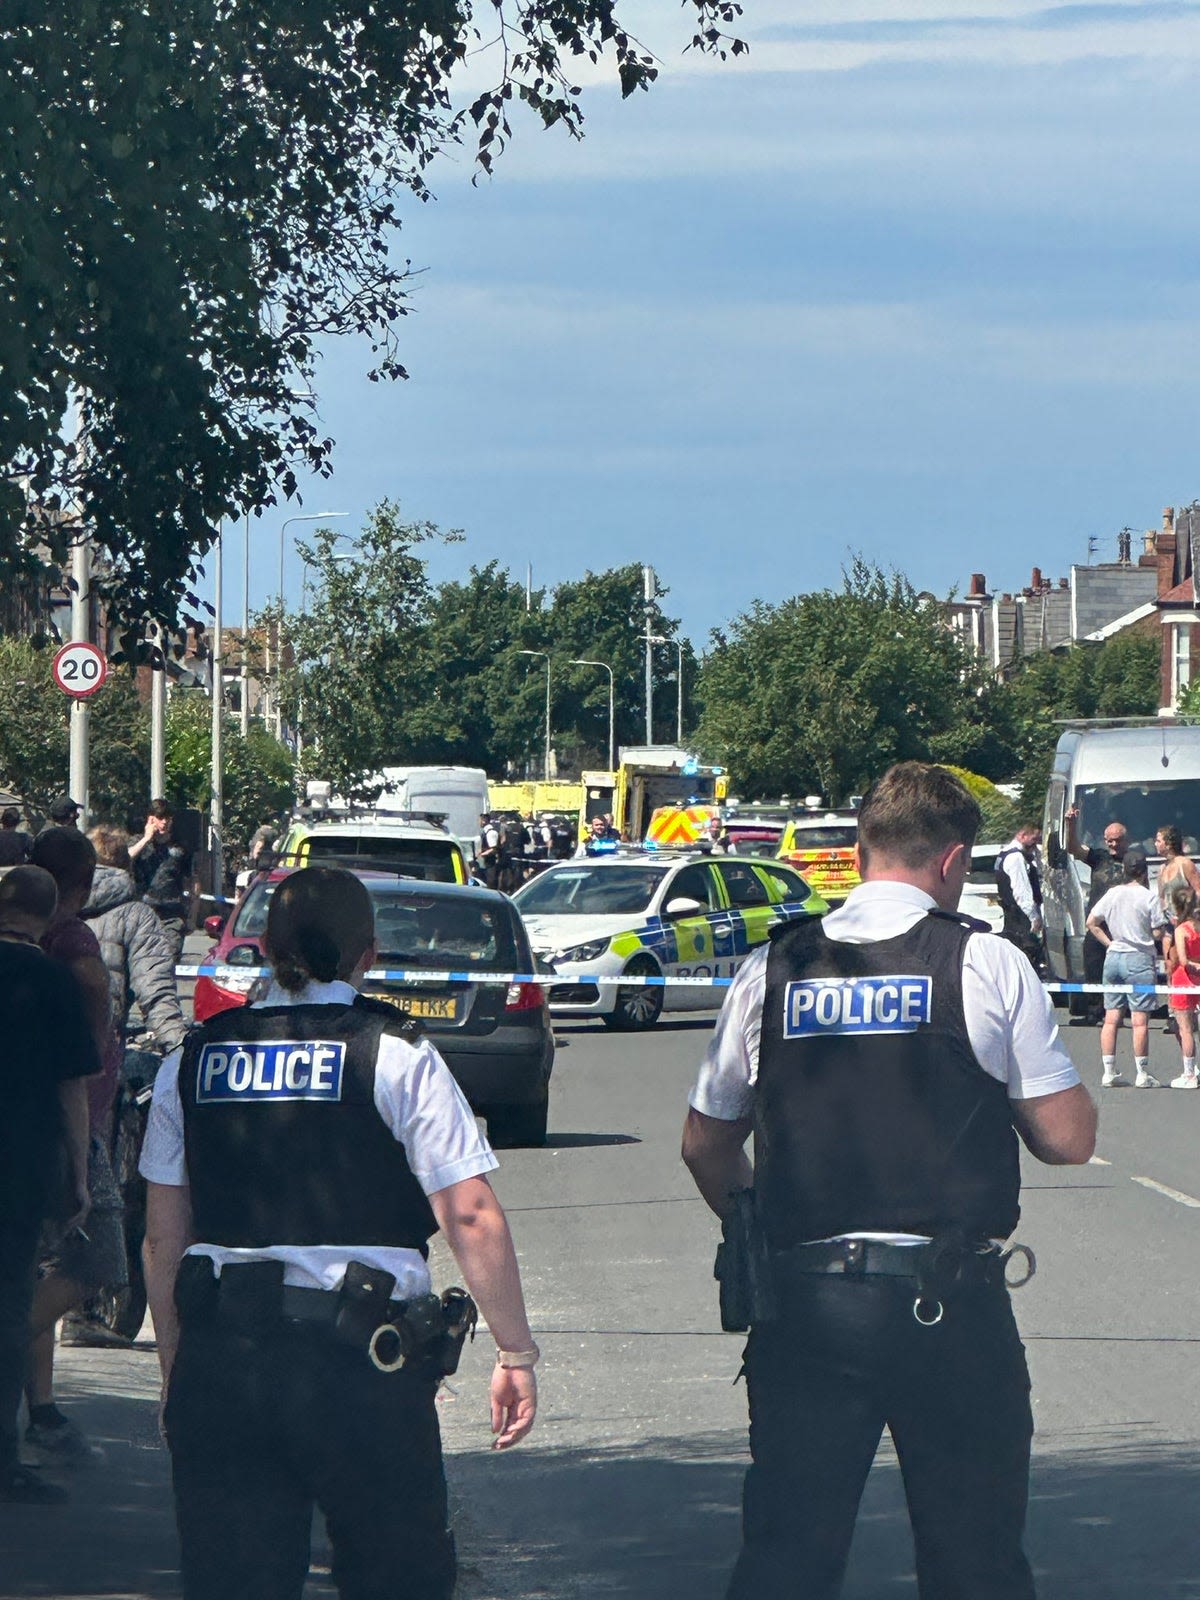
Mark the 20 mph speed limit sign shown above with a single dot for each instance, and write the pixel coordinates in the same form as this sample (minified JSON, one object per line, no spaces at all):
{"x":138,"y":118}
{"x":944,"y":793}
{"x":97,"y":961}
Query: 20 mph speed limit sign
{"x":80,"y":669}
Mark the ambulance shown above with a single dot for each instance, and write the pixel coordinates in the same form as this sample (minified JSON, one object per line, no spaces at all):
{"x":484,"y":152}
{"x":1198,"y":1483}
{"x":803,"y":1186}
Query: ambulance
{"x":820,"y":844}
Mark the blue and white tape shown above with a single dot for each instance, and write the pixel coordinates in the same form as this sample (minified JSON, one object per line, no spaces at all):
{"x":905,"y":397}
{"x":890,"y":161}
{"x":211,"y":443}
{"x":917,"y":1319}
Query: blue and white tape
{"x":623,"y":981}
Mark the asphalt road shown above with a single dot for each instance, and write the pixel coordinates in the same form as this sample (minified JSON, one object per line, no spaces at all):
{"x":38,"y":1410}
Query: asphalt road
{"x":630,"y":1483}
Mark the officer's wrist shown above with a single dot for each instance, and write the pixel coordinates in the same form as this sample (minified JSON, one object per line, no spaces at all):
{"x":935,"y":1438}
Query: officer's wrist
{"x":526,"y":1359}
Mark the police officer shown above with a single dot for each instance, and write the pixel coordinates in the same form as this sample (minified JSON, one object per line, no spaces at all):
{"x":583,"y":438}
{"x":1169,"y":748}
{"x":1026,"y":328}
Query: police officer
{"x":885,"y":1060}
{"x":1019,"y":883}
{"x":300,"y":1154}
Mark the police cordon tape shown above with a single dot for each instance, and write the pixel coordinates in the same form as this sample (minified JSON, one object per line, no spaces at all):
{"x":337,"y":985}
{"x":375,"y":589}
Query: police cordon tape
{"x":623,"y":981}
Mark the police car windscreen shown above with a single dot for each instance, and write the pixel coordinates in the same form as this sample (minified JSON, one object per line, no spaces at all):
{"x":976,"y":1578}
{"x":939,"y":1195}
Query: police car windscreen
{"x":439,"y":932}
{"x":623,"y":888}
{"x":432,"y":859}
{"x":1143,"y":808}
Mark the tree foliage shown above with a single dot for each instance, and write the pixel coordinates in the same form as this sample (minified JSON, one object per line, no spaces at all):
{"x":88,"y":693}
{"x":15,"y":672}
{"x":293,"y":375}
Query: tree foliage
{"x":197,"y":192}
{"x":820,"y":693}
{"x":387,"y":670}
{"x":1119,"y":678}
{"x":257,"y":771}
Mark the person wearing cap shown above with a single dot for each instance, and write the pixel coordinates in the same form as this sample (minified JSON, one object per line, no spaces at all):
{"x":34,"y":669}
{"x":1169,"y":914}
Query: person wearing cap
{"x":1127,"y":920}
{"x":15,"y":843}
{"x":300,"y":1154}
{"x":64,"y":812}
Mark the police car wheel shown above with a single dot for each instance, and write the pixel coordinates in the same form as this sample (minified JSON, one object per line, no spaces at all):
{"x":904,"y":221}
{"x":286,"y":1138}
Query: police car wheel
{"x":638,"y":1007}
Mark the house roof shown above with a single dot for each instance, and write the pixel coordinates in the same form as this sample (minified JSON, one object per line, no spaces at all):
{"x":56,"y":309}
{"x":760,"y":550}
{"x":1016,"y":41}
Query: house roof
{"x":1120,"y":623}
{"x":1183,"y":594}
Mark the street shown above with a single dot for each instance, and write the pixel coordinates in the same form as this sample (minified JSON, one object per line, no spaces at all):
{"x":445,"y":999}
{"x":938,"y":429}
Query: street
{"x":630,"y":1484}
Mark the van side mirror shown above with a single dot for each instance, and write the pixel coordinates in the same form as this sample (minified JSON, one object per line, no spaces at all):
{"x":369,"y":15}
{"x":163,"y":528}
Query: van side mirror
{"x":1056,"y":856}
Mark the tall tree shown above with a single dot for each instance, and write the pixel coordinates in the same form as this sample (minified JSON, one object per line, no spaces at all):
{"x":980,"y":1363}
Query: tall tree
{"x":362,"y":685}
{"x":197,"y":192}
{"x":821,"y":692}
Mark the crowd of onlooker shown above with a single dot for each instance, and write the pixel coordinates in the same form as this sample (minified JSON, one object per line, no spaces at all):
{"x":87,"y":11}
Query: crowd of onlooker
{"x":90,"y":925}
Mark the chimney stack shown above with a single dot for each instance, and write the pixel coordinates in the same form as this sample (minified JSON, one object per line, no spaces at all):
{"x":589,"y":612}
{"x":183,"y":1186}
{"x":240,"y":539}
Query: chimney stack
{"x":1035,"y":582}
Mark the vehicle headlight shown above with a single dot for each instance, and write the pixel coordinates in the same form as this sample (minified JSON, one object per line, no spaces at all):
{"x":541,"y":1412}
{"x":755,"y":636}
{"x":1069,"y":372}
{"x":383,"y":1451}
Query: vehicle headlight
{"x":583,"y":952}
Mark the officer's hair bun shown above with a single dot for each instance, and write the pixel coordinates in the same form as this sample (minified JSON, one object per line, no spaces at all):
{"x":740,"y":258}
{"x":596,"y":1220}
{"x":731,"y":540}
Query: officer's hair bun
{"x":320,"y":922}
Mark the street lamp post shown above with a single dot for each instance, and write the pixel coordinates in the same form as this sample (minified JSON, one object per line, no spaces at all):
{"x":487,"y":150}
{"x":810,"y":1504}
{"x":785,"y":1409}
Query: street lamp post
{"x":309,"y":516}
{"x":659,"y":638}
{"x":612,"y":749}
{"x":546,"y":657}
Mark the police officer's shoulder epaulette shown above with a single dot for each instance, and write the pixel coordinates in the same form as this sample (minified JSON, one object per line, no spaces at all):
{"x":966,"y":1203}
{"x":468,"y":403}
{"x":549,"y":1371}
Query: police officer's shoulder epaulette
{"x":396,"y":1020}
{"x":972,"y":924}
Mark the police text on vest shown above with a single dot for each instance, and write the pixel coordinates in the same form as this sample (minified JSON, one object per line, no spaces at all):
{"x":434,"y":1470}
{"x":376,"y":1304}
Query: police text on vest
{"x":278,"y":1070}
{"x":817,"y":1007}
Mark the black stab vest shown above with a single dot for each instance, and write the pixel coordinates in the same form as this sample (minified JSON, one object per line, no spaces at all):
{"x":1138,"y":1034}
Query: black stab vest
{"x":283,"y":1142}
{"x":1004,"y":888}
{"x":859,"y":1127}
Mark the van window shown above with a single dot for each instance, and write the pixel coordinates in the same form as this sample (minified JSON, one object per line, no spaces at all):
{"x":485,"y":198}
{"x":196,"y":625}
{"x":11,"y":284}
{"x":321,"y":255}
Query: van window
{"x":1143,"y":808}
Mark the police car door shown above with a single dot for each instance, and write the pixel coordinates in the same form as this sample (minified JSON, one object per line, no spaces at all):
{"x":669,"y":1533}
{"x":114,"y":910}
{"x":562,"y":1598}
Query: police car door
{"x":703,"y":939}
{"x":751,"y":912}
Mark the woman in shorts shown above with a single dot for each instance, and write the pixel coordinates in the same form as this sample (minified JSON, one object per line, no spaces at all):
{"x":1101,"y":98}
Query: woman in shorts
{"x":1185,"y":979}
{"x":1126,"y":920}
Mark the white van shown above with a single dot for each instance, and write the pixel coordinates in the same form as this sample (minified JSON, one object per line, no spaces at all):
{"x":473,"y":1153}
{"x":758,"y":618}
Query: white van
{"x":1144,"y":774}
{"x":460,"y":794}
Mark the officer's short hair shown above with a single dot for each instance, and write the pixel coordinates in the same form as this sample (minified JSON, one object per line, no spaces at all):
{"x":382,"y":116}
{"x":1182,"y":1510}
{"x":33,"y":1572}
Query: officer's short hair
{"x":67,"y":855}
{"x":913,"y":813}
{"x":320,"y":922}
{"x":28,"y":892}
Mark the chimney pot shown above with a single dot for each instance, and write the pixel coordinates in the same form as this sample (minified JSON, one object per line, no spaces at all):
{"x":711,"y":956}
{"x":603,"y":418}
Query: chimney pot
{"x":978,"y":585}
{"x":1035,"y":581}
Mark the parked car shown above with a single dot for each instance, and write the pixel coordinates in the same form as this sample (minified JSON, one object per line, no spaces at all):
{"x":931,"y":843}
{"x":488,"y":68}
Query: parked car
{"x":821,"y":844}
{"x":495,"y":1036}
{"x":654,"y":915}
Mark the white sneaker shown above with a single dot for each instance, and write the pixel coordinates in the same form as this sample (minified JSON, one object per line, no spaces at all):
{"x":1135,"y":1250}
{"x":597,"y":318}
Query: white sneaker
{"x":1113,"y":1080}
{"x":1186,"y":1080}
{"x":1145,"y":1080}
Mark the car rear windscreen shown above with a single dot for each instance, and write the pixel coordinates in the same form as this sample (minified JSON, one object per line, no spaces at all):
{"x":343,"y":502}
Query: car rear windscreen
{"x":443,"y":932}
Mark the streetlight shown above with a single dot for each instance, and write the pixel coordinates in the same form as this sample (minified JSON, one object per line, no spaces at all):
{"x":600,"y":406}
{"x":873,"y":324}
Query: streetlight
{"x":612,"y":749}
{"x":659,"y":638}
{"x":308,"y":516}
{"x":546,"y":657}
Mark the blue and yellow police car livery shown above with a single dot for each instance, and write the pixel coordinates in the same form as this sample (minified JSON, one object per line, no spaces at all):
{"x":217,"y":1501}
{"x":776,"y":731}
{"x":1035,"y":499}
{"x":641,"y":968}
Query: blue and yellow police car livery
{"x":659,"y":915}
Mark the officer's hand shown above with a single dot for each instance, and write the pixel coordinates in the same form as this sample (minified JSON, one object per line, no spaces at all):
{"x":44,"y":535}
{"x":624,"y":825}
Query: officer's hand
{"x":514,"y":1404}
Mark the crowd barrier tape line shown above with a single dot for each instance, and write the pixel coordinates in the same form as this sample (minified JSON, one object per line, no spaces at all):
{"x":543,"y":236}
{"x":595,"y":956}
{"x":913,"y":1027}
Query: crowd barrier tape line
{"x":631,"y":981}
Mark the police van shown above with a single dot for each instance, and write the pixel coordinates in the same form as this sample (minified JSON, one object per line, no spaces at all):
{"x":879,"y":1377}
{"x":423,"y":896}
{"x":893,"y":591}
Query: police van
{"x":1144,"y":773}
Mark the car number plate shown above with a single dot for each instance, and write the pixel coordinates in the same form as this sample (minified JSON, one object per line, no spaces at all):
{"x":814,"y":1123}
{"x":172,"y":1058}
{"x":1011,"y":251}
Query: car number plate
{"x":435,"y":1008}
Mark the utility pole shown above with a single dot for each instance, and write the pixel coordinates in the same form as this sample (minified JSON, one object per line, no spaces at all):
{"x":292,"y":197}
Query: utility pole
{"x":158,"y":714}
{"x":679,"y":695}
{"x":216,"y":807}
{"x":244,"y":690}
{"x":649,"y":589}
{"x":81,"y":633}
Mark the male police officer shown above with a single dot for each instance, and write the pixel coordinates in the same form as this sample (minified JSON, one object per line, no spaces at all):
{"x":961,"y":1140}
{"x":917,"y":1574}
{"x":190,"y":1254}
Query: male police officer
{"x":302,"y":1153}
{"x":882,"y":1059}
{"x":1019,"y":884}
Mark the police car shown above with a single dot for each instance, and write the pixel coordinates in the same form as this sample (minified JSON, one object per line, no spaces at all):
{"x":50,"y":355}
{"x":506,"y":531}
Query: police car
{"x":654,"y":915}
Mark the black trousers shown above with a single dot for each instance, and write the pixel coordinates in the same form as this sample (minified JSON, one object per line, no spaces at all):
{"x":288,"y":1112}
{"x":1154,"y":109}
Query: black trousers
{"x":20,"y":1228}
{"x":846,"y":1360}
{"x":260,"y":1428}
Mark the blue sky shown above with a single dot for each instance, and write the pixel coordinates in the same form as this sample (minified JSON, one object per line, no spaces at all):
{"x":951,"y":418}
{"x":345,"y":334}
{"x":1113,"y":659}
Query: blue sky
{"x":918,"y":280}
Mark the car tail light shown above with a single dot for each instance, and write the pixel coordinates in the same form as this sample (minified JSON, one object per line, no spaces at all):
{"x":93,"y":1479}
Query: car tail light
{"x":524,"y":997}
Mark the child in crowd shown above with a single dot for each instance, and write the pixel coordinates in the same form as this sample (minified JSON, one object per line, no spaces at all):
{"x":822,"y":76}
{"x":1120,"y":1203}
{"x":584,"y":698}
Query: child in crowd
{"x":1185,"y":979}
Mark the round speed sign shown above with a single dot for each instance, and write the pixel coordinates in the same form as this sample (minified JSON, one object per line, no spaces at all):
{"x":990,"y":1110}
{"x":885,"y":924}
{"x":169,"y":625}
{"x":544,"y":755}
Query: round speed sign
{"x":80,"y":669}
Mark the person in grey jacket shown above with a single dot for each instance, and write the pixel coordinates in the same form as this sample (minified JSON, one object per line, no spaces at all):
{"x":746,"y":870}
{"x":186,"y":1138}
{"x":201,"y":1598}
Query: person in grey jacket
{"x":135,"y":948}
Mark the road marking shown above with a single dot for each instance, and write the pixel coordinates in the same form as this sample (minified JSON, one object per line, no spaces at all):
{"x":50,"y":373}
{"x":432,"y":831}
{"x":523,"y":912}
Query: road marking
{"x":1098,"y":1161}
{"x":1171,"y":1194}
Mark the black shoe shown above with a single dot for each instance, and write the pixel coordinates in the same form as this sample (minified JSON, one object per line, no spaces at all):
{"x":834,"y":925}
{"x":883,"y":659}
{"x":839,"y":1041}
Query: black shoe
{"x":23,"y":1486}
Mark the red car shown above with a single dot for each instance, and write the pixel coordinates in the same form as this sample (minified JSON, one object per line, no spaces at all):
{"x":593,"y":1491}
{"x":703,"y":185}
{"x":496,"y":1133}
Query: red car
{"x":494,"y":1035}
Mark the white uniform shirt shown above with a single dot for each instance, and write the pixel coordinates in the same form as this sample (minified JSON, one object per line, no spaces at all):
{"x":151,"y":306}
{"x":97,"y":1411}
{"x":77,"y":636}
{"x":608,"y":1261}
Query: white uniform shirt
{"x":418,"y":1100}
{"x":1009,"y":1017}
{"x":1016,"y":865}
{"x":1130,"y":912}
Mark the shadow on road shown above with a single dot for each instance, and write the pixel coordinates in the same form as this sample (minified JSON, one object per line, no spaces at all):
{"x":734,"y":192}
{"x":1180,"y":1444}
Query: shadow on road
{"x":661,"y":1519}
{"x":584,"y":1141}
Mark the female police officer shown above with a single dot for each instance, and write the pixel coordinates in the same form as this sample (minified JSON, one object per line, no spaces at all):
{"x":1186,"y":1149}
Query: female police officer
{"x":300,"y":1154}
